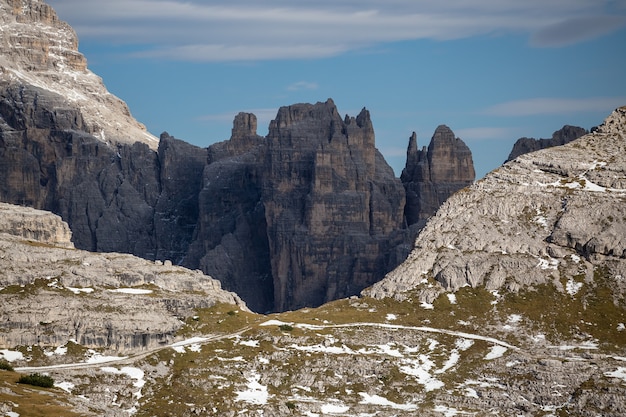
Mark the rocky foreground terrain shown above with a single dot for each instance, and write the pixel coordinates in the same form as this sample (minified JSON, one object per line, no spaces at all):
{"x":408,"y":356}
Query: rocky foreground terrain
{"x":512,"y":300}
{"x":529,"y":319}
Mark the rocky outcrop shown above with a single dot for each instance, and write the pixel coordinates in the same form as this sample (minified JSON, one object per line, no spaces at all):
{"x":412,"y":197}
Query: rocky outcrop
{"x":36,"y":225}
{"x":543,"y":218}
{"x":111,"y":301}
{"x":432,"y":174}
{"x":39,"y":58}
{"x":308,"y":214}
{"x":562,"y":136}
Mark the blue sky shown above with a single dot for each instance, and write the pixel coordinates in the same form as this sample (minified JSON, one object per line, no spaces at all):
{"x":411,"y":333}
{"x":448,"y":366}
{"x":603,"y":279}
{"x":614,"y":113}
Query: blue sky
{"x":492,"y":70}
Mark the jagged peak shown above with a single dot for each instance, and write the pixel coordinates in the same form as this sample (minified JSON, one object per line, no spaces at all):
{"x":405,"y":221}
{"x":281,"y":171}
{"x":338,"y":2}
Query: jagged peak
{"x":39,"y":51}
{"x":615,"y":122}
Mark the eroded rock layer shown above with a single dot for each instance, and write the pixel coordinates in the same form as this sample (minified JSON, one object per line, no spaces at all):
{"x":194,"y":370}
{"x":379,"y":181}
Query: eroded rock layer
{"x":543,"y":218}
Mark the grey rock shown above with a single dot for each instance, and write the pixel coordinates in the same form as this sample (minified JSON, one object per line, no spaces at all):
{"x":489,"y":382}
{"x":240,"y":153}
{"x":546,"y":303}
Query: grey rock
{"x":432,"y":174}
{"x":562,"y":136}
{"x":52,"y":293}
{"x":541,"y":218}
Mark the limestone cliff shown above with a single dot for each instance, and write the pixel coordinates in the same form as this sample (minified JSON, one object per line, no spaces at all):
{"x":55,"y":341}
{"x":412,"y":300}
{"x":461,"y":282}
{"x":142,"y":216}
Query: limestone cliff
{"x":309,"y":214}
{"x":562,"y":136}
{"x":432,"y":174}
{"x":545,"y":217}
{"x":52,"y":293}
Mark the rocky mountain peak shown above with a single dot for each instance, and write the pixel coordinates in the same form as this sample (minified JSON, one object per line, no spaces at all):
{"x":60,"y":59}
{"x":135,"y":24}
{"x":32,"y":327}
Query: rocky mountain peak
{"x":40,"y":66}
{"x":543,"y":218}
{"x":244,"y":126}
{"x":562,"y":136}
{"x":432,"y":174}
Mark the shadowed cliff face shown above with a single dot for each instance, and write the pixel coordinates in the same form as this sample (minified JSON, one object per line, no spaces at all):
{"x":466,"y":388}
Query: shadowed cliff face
{"x":308,"y":214}
{"x":432,"y":174}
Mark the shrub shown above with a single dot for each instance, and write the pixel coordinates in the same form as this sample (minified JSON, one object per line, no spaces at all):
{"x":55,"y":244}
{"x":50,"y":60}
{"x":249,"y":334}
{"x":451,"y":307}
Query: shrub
{"x":5,"y":365}
{"x":285,"y":327}
{"x":37,"y":380}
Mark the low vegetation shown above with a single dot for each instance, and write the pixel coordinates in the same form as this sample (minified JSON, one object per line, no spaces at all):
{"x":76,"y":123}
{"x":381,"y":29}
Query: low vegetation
{"x":37,"y":380}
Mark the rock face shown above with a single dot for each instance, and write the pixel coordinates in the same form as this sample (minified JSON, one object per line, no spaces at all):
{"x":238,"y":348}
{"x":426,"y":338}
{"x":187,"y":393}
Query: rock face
{"x":44,"y":77}
{"x":112,"y":301}
{"x":308,"y":214}
{"x":565,"y":135}
{"x":543,"y":218}
{"x":36,"y":225}
{"x":432,"y":174}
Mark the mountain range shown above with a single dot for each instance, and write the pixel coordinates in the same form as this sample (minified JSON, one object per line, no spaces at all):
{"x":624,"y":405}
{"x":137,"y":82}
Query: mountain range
{"x":294,"y":274}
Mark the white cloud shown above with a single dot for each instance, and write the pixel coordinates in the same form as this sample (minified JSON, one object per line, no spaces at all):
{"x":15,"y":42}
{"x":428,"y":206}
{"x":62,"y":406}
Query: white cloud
{"x":280,"y":29}
{"x":548,"y":105}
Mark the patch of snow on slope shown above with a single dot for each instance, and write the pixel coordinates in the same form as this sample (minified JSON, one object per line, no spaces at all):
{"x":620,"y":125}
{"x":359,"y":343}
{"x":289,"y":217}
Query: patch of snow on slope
{"x":420,"y":369}
{"x":275,"y":323}
{"x":65,"y":386}
{"x":619,"y":373}
{"x":550,"y":263}
{"x":572,"y":287}
{"x":133,"y":373}
{"x":496,"y":352}
{"x":79,"y":290}
{"x":256,"y":392}
{"x":334,"y":408}
{"x":60,"y":351}
{"x":11,"y":355}
{"x":451,"y":298}
{"x":377,"y":400}
{"x":391,"y":317}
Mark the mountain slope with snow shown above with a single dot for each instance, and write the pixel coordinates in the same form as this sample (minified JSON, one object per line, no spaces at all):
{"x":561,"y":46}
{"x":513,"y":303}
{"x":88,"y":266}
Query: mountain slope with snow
{"x":39,"y":53}
{"x":556,"y":216}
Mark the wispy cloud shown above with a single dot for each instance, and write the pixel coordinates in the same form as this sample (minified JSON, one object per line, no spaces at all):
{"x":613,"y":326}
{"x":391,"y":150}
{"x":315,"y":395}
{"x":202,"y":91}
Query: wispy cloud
{"x":227,"y":30}
{"x":550,"y":105}
{"x":302,"y":85}
{"x":578,"y":29}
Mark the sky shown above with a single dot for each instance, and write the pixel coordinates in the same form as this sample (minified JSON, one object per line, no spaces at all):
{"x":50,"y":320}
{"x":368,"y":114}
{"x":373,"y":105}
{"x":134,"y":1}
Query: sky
{"x":492,"y":70}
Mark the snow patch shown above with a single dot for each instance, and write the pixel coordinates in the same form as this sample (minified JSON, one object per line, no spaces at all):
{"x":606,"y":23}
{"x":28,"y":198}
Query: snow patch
{"x":377,"y":400}
{"x":65,"y":386}
{"x":391,"y":317}
{"x":496,"y":352}
{"x":427,"y":306}
{"x":572,"y":287}
{"x":11,"y":355}
{"x":256,"y":392}
{"x":275,"y":323}
{"x":133,"y":373}
{"x":451,"y":298}
{"x":334,"y":409}
{"x":619,"y":373}
{"x":80,"y":290}
{"x":60,"y":351}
